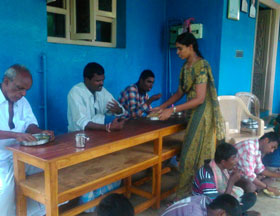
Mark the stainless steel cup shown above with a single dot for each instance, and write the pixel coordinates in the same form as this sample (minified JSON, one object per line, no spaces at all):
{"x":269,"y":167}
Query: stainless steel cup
{"x":81,"y":139}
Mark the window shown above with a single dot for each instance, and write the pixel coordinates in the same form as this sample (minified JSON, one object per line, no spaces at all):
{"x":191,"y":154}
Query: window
{"x":85,"y":22}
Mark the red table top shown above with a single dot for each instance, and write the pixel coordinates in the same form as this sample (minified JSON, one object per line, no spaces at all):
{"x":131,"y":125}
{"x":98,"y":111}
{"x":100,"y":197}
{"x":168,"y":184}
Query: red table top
{"x":65,"y":144}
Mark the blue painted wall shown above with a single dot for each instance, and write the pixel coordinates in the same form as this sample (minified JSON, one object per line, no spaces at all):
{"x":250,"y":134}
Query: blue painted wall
{"x":276,"y":95}
{"x":24,"y":38}
{"x":209,"y":13}
{"x":236,"y":73}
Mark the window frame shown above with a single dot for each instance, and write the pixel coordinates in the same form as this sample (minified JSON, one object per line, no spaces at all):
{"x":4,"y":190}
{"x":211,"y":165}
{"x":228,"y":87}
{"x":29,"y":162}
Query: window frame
{"x":71,"y":37}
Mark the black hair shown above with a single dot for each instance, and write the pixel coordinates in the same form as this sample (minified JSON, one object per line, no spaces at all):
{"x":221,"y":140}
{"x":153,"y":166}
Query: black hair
{"x":115,"y":205}
{"x":146,"y":74}
{"x":228,"y":203}
{"x":91,"y":69}
{"x":272,"y":136}
{"x":224,"y":151}
{"x":188,"y":39}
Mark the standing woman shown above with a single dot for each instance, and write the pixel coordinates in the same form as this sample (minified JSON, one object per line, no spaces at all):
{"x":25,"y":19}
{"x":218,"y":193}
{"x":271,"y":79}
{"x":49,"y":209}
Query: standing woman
{"x":205,"y":122}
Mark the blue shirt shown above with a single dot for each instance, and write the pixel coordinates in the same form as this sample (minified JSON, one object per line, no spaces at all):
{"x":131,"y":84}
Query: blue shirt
{"x":273,"y":159}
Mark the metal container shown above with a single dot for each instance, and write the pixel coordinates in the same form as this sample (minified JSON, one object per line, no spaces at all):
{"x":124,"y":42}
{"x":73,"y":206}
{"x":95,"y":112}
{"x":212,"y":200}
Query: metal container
{"x":154,"y":118}
{"x":249,"y":123}
{"x":41,"y":139}
{"x":81,"y":140}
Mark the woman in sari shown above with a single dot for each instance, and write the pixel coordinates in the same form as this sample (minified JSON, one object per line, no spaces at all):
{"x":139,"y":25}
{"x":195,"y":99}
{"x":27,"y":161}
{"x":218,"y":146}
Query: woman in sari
{"x":205,"y":123}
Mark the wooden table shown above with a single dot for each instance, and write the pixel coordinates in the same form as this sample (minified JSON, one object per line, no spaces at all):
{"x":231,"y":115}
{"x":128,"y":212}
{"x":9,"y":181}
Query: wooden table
{"x":70,"y":172}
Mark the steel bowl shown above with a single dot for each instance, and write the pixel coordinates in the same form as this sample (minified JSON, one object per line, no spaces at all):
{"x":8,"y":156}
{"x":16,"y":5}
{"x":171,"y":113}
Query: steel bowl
{"x":154,"y":118}
{"x":41,"y":139}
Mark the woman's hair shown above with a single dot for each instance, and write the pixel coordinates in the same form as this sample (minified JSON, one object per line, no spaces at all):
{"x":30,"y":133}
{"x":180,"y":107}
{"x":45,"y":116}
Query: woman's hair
{"x":188,"y":39}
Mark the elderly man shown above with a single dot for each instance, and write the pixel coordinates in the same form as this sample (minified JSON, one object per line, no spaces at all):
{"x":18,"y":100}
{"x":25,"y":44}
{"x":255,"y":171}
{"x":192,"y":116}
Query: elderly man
{"x":17,"y":122}
{"x":135,"y":98}
{"x":250,"y":162}
{"x":89,"y":102}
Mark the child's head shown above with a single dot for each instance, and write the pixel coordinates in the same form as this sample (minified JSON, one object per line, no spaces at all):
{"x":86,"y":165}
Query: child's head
{"x":115,"y":205}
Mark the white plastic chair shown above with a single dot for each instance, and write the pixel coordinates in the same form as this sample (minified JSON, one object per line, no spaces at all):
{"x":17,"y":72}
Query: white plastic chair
{"x":251,"y":101}
{"x":253,"y":104}
{"x":234,"y":112}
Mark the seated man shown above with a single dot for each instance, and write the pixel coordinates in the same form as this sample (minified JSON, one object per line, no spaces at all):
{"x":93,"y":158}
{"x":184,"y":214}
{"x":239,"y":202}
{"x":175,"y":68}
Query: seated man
{"x":201,"y":205}
{"x":213,"y":178}
{"x":89,"y":101}
{"x":115,"y":205}
{"x":17,"y":122}
{"x":250,"y":162}
{"x":135,"y":98}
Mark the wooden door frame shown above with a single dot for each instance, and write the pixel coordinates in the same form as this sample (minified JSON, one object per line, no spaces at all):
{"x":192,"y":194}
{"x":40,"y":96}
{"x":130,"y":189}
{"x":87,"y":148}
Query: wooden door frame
{"x":272,"y":49}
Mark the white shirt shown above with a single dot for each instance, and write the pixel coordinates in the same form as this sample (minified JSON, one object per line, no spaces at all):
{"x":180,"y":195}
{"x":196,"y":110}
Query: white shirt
{"x":83,"y":107}
{"x":23,"y":117}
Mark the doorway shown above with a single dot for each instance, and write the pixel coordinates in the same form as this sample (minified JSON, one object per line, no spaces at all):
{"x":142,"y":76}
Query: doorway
{"x":266,"y":41}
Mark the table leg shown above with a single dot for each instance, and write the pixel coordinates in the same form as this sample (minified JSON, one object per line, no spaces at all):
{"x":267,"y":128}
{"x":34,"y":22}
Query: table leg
{"x":51,"y":189}
{"x":127,"y":184}
{"x":157,"y":171}
{"x":19,"y":172}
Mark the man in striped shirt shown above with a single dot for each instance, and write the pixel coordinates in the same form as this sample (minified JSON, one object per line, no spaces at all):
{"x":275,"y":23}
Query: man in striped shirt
{"x":249,"y":155}
{"x":213,"y":178}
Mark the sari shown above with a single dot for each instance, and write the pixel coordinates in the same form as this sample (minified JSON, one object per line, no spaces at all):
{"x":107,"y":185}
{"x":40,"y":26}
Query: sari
{"x":205,"y":124}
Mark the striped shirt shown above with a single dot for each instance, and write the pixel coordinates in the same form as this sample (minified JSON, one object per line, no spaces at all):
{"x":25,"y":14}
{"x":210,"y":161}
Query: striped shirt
{"x":190,"y":206}
{"x":204,"y":182}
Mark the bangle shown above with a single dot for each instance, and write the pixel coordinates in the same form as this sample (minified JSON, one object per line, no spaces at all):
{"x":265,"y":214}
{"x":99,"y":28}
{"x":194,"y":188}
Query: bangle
{"x":108,"y":126}
{"x":174,"y":109}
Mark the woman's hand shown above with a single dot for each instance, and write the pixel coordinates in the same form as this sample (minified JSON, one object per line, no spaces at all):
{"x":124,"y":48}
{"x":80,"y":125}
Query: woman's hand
{"x":165,"y":114}
{"x":157,"y":110}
